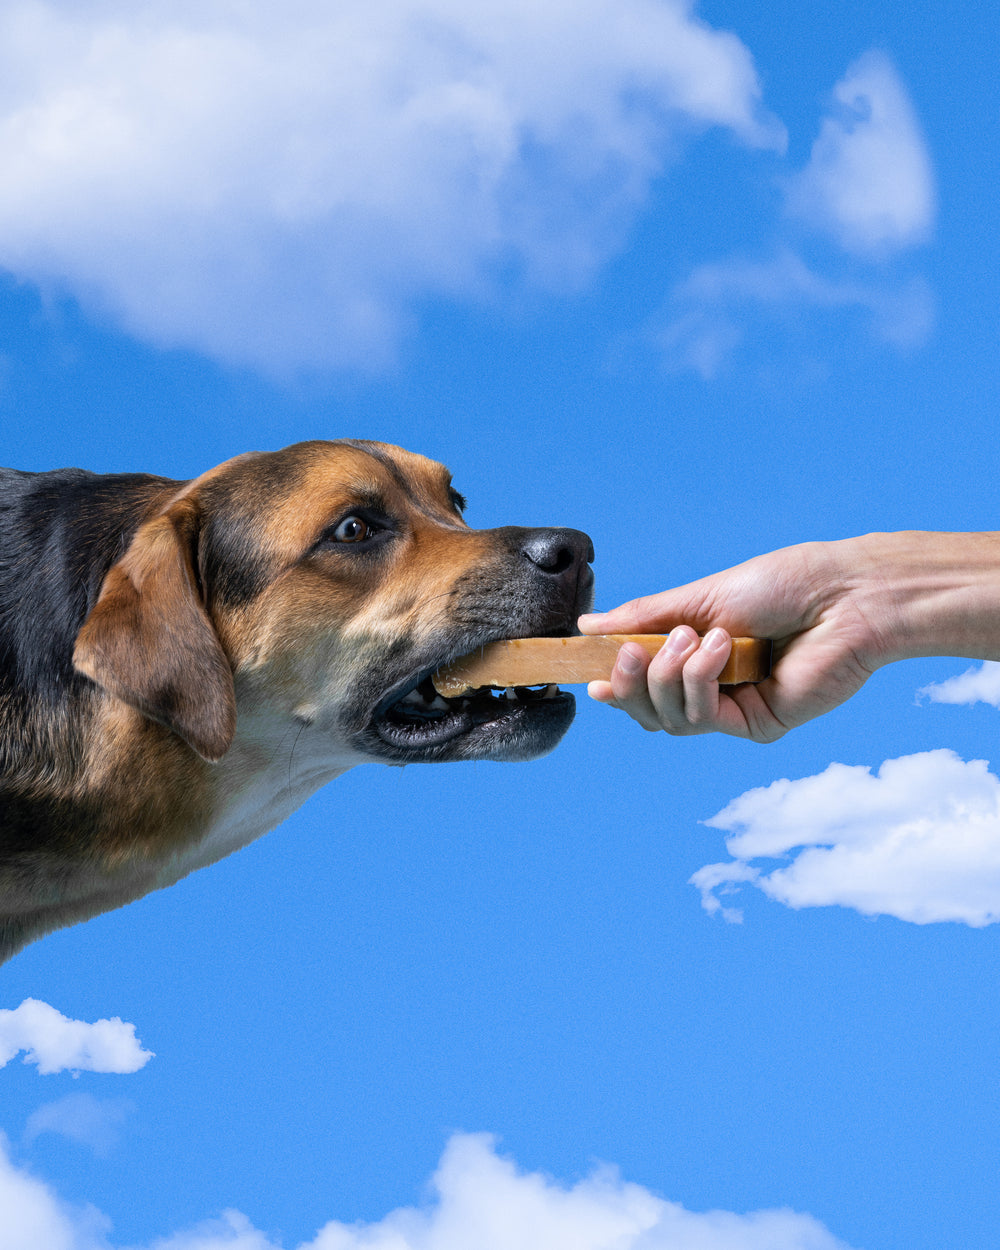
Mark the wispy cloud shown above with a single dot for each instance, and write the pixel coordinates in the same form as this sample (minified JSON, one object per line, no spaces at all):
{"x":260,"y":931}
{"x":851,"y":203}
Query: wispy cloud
{"x":976,"y":685}
{"x":276,"y":184}
{"x":711,"y":310}
{"x":869,"y":186}
{"x":93,"y":1122}
{"x":480,"y":1199}
{"x":869,"y":181}
{"x":919,"y":839}
{"x":58,"y":1044}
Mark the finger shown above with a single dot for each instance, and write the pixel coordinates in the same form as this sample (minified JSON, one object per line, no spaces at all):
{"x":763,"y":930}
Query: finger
{"x":627,"y":673}
{"x":626,"y":688}
{"x":701,"y":678}
{"x":590,"y":623}
{"x":628,"y":676}
{"x":680,"y":692}
{"x":761,"y":723}
{"x":683,"y":682}
{"x":742,"y":711}
{"x":687,"y":697}
{"x":600,"y":691}
{"x":628,"y":685}
{"x":664,"y":679}
{"x":649,"y":614}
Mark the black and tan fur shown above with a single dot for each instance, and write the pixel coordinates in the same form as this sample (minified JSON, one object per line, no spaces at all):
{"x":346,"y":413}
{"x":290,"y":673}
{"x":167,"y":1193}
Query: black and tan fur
{"x":183,"y":663}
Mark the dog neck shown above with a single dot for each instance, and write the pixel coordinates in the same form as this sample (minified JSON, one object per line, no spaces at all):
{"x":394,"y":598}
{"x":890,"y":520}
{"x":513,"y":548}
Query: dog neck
{"x":272,"y":768}
{"x":143,"y":811}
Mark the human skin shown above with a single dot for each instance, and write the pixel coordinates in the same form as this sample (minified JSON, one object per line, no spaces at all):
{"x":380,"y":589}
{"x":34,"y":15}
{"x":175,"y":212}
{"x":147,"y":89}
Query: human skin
{"x":836,"y":612}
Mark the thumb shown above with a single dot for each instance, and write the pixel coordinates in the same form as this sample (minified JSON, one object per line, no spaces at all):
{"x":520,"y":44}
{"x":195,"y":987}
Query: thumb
{"x":651,"y":614}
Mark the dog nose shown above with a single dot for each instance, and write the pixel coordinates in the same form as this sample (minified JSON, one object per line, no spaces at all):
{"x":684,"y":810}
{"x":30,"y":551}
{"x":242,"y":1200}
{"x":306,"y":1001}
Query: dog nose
{"x":557,"y":551}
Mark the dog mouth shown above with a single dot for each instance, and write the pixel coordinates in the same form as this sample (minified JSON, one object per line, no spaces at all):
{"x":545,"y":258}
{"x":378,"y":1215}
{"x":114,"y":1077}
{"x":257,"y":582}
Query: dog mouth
{"x":519,"y":722}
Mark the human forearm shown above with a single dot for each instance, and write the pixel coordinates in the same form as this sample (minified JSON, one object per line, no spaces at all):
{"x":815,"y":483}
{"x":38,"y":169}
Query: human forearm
{"x":921,"y":592}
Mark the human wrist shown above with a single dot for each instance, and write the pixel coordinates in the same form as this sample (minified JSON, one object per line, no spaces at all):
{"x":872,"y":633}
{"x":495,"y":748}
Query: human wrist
{"x":924,"y":593}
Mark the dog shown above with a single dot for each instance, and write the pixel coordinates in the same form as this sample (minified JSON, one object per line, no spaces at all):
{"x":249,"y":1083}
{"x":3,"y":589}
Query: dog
{"x":183,"y":663}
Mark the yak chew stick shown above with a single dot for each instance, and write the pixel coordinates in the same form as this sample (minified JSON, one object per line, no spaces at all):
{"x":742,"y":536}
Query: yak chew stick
{"x":583,"y":658}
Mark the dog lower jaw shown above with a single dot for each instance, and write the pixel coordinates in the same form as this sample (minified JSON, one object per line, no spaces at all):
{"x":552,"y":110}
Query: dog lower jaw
{"x":511,"y":727}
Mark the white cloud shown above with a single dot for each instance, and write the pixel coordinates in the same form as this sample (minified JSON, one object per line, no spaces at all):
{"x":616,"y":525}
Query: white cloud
{"x":57,"y":1044}
{"x":276,"y":184}
{"x":976,"y":685}
{"x":869,"y":181}
{"x":480,"y":1199}
{"x":869,"y":185}
{"x":710,"y":308}
{"x":93,"y":1122}
{"x":34,"y":1216}
{"x":232,"y":1231}
{"x":919,"y":839}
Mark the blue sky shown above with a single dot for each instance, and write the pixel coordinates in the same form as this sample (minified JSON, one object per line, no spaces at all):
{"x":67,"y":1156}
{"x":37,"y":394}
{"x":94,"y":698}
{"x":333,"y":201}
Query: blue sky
{"x":702,"y":282}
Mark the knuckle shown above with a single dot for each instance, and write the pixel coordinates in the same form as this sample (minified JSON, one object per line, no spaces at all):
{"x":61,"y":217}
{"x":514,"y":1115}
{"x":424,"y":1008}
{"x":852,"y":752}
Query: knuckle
{"x":704,"y":667}
{"x":699,"y":715}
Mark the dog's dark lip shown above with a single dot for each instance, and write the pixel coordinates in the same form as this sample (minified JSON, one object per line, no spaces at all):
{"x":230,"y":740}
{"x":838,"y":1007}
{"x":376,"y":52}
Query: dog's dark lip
{"x":402,"y":688}
{"x":405,"y":687}
{"x":476,"y":718}
{"x":472,"y":711}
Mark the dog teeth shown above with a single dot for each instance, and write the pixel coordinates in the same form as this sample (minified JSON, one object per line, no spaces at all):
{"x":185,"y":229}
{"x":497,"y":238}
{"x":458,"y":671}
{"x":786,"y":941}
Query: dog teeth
{"x":421,"y":698}
{"x":522,"y":693}
{"x":416,"y":699}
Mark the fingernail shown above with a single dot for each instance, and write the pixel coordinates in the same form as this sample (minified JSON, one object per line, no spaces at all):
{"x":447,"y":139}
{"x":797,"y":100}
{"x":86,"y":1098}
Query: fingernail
{"x":678,"y":641}
{"x":628,"y":662}
{"x":715,"y":640}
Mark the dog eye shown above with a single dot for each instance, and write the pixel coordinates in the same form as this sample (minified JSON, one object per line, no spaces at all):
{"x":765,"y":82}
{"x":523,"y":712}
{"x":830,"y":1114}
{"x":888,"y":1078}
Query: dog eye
{"x":352,"y":529}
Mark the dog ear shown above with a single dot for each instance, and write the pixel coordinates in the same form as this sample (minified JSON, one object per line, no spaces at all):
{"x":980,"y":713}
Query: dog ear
{"x":149,"y":640}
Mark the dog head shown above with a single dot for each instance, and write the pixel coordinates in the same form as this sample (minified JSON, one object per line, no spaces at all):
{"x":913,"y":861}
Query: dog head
{"x":320,"y":586}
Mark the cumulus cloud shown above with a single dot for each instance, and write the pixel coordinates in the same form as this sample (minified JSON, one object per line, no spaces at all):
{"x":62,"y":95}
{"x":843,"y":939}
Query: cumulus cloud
{"x":276,"y":184}
{"x":919,"y":839}
{"x":35,"y":1216}
{"x":869,"y":181}
{"x":976,"y":685}
{"x":58,"y":1044}
{"x":479,"y":1199}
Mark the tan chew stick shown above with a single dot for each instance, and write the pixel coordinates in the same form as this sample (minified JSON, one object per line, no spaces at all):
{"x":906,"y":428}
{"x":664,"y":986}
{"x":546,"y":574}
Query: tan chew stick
{"x":565,"y":661}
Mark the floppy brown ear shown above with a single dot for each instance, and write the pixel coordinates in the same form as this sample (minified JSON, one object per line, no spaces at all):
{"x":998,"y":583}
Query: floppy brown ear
{"x":149,"y":641}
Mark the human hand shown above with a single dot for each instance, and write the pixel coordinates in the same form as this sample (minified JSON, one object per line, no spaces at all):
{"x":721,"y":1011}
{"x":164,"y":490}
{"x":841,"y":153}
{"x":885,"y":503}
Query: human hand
{"x":810,"y":600}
